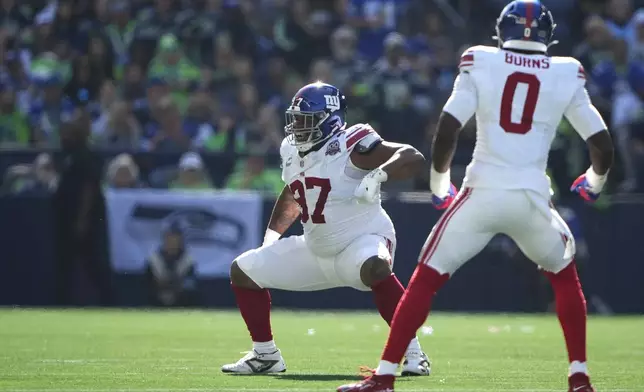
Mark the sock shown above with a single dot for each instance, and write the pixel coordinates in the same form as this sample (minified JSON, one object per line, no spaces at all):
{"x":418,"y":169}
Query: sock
{"x":386,"y":368}
{"x":571,"y":310}
{"x":412,"y":311}
{"x":265,"y":347}
{"x":255,"y":308}
{"x":387,"y":294}
{"x":578,"y":367}
{"x":414,"y":346}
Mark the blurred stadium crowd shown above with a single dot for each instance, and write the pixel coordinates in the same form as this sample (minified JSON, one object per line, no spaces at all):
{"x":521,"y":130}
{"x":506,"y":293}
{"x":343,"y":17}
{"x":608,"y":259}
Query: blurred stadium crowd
{"x":201,"y":77}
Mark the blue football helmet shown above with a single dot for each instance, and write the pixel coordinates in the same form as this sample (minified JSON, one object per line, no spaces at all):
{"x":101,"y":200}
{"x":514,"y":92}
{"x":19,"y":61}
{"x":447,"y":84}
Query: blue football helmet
{"x":316,"y":112}
{"x":525,"y":25}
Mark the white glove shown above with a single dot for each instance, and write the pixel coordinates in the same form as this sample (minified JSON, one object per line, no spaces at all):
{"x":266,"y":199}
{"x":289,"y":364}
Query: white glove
{"x":369,"y":188}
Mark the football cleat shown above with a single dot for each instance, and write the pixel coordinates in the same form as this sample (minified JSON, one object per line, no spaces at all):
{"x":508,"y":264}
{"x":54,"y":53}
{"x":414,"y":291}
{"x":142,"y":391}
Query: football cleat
{"x":579,"y":382}
{"x":375,"y":383}
{"x":256,"y":363}
{"x":416,"y":364}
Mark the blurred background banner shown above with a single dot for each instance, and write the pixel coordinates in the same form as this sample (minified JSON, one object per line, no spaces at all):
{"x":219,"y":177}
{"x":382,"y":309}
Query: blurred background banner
{"x":216,"y":227}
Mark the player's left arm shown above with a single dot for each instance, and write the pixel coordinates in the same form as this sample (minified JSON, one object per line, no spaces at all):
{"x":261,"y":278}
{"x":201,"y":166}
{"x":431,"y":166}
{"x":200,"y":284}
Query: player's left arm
{"x":589,"y":124}
{"x":397,"y":161}
{"x":386,"y":161}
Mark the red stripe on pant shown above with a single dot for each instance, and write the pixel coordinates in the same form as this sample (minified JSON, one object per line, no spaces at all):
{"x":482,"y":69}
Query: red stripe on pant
{"x":390,"y":248}
{"x":442,"y":223}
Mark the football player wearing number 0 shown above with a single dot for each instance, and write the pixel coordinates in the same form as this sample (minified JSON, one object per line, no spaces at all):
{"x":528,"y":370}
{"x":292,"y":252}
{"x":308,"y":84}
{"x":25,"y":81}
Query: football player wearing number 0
{"x":519,"y":95}
{"x":333,"y":174}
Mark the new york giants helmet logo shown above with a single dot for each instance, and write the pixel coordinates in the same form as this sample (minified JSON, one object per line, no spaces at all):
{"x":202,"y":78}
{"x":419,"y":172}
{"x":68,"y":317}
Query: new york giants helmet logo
{"x":332,"y":102}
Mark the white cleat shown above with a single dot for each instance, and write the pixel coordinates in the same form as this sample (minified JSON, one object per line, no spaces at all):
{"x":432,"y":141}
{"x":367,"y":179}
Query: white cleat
{"x":416,"y":364}
{"x":256,"y":363}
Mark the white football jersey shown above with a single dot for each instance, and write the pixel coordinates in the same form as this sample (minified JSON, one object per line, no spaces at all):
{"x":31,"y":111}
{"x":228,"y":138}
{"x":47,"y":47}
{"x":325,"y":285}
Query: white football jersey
{"x":519,"y":101}
{"x":323,"y":183}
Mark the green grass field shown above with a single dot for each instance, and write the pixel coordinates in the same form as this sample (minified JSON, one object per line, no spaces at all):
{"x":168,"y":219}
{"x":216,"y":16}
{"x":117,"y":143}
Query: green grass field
{"x":96,"y":350}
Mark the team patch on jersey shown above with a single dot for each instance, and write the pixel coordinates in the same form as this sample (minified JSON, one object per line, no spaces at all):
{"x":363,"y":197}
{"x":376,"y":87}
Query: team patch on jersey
{"x":333,"y":148}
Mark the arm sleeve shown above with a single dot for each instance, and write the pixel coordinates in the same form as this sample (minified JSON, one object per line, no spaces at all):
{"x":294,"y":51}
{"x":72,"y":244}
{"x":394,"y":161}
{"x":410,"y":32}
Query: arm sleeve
{"x":463,"y":101}
{"x":583,"y":116}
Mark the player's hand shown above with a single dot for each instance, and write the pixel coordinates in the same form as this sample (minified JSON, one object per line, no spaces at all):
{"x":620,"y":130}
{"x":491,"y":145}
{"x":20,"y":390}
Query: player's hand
{"x":369,"y":188}
{"x":584,"y":189}
{"x":441,"y":203}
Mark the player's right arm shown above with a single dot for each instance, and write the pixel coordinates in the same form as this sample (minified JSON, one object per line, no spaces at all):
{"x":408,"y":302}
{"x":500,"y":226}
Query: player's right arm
{"x":285,"y":212}
{"x":286,"y":209}
{"x":460,"y":107}
{"x":588,"y":123}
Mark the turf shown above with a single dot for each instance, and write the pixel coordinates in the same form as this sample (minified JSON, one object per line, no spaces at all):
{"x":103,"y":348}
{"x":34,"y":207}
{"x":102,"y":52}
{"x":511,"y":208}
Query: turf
{"x":147,"y":351}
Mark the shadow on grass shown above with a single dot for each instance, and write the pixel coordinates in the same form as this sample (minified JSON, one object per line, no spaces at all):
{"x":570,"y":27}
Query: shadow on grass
{"x":319,"y":377}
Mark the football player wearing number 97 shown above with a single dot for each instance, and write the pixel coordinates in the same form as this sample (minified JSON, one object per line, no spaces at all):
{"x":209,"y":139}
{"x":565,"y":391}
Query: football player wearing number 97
{"x":333,"y":174}
{"x":519,"y":95}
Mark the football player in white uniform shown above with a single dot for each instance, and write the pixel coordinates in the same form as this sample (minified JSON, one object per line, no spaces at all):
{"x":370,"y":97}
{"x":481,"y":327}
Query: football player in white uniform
{"x":332,"y":174}
{"x":519,"y":95}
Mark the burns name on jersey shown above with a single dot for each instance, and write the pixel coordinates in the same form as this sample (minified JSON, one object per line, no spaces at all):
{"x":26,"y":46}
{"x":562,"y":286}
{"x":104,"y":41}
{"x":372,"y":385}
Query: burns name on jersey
{"x":526,"y":61}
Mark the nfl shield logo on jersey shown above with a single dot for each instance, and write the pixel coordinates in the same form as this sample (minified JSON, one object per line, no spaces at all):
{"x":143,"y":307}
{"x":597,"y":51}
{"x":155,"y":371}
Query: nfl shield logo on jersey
{"x":333,"y":148}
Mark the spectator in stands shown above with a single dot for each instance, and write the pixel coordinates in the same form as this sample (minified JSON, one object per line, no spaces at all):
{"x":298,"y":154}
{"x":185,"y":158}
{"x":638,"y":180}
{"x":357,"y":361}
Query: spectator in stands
{"x":65,"y":25}
{"x":166,"y":131}
{"x":199,"y":118}
{"x":84,"y":86}
{"x":43,"y":38}
{"x":49,"y":110}
{"x":14,"y":127}
{"x":619,"y":21}
{"x":269,"y":128}
{"x":297,"y":38}
{"x":252,"y":174}
{"x":321,"y":69}
{"x":171,"y":271}
{"x":44,"y":178}
{"x":223,"y":75}
{"x":391,"y":91}
{"x":271,"y":81}
{"x":38,"y":178}
{"x":596,"y":46}
{"x":133,"y":88}
{"x":637,"y":45}
{"x":248,"y":102}
{"x":374,"y":20}
{"x":80,"y":213}
{"x":620,"y":81}
{"x":226,"y":136}
{"x":117,"y":128}
{"x":348,"y":64}
{"x":123,"y":173}
{"x":14,"y":17}
{"x":14,"y":77}
{"x":192,"y":174}
{"x":120,"y":32}
{"x":171,"y":65}
{"x":101,"y":58}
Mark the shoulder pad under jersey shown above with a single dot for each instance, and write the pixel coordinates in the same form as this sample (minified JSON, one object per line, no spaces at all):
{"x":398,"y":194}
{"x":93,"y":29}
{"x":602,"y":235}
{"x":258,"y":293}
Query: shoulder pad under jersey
{"x":286,"y":149}
{"x":570,"y":66}
{"x":362,"y":137}
{"x":475,"y":55}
